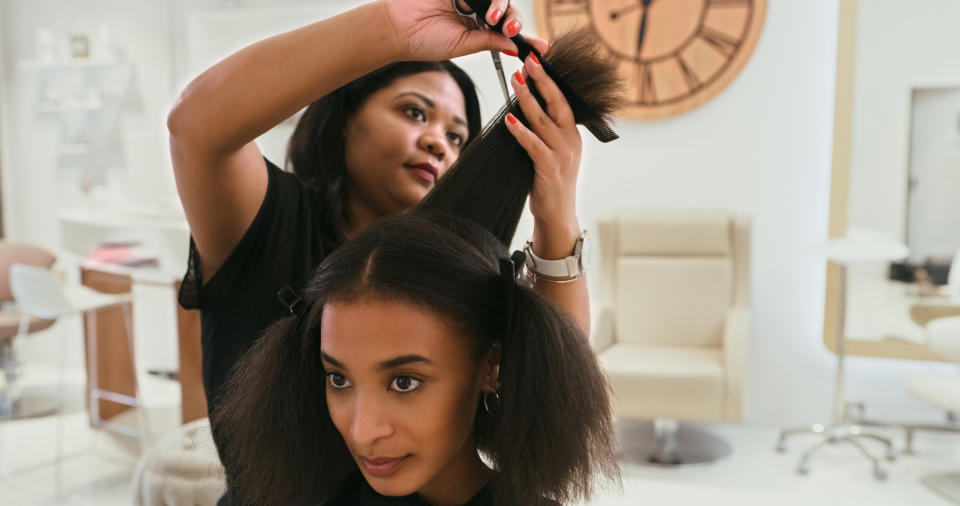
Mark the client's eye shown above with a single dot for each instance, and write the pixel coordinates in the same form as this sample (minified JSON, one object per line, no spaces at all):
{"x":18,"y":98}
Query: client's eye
{"x":337,"y":381}
{"x":405,"y":384}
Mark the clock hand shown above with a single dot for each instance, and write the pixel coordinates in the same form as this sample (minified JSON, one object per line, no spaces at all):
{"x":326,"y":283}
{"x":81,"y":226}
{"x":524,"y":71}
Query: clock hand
{"x":617,"y":14}
{"x":643,"y":26}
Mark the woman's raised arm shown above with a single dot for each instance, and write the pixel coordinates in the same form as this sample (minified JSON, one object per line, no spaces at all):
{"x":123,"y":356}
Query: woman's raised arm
{"x":219,"y":169}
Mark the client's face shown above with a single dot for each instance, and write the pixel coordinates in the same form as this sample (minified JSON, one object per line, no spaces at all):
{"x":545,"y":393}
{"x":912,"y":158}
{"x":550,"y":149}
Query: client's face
{"x":403,"y":390}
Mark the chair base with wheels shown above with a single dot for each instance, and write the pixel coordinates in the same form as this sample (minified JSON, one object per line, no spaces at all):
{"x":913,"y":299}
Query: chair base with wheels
{"x":848,"y":433}
{"x":666,"y":442}
{"x":843,"y":430}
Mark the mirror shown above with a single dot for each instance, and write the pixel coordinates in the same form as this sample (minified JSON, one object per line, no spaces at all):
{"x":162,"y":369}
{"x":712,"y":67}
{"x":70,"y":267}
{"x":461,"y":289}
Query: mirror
{"x":896,"y":172}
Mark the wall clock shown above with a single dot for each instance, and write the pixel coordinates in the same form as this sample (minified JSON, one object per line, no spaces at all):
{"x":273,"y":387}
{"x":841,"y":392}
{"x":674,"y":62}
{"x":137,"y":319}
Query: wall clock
{"x":674,"y":55}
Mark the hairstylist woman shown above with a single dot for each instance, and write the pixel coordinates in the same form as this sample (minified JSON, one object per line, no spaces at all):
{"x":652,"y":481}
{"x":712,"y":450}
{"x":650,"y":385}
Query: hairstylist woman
{"x":376,"y":136}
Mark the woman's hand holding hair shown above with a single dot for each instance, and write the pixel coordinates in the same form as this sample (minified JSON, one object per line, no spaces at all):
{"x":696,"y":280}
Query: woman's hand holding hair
{"x":432,"y":30}
{"x":553,"y":142}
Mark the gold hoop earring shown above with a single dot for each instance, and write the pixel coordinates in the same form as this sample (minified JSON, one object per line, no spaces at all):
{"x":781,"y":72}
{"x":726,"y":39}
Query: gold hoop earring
{"x":486,"y":403}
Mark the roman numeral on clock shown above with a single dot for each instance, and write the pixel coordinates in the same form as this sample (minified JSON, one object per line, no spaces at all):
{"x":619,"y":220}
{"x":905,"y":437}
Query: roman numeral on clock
{"x":646,"y":91}
{"x":719,"y":41}
{"x":729,"y":3}
{"x":568,"y":7}
{"x":693,"y":82}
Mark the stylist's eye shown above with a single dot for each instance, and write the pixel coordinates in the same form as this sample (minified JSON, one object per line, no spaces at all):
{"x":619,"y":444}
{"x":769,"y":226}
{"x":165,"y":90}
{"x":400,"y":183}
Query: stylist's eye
{"x":337,"y":381}
{"x":416,"y":113}
{"x":405,"y":384}
{"x":456,"y":139}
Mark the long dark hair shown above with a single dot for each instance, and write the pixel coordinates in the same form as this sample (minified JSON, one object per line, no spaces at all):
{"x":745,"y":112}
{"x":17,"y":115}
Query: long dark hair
{"x":551,"y":436}
{"x":315,"y":152}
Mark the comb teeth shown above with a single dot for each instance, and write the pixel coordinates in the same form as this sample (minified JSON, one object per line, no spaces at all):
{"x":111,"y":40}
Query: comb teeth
{"x":601,"y":130}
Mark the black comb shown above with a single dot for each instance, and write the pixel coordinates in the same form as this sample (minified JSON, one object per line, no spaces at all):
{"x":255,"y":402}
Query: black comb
{"x":585,"y":115}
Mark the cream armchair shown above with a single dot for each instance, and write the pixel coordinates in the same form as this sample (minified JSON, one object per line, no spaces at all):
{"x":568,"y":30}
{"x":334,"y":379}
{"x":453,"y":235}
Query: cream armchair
{"x":673,"y":326}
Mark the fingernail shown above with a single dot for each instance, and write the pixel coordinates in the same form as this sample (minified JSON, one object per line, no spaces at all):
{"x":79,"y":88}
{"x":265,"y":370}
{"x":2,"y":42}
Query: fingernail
{"x":513,"y":28}
{"x":512,"y":119}
{"x":519,"y":77}
{"x":509,"y":53}
{"x":496,"y":16}
{"x":533,"y":56}
{"x":548,"y":47}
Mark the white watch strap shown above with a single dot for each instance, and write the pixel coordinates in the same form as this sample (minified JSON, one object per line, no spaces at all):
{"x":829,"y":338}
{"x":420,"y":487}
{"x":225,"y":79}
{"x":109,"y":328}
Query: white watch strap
{"x":561,"y":268}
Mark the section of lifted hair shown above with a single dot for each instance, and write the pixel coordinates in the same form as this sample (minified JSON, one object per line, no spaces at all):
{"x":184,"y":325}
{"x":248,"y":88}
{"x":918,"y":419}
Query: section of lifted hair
{"x":490,"y":181}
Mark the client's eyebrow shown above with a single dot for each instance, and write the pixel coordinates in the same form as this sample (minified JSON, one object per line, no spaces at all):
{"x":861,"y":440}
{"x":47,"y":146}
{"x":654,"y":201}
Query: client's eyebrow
{"x":430,"y":103}
{"x":334,"y":362}
{"x":403,"y":360}
{"x":387,"y":364}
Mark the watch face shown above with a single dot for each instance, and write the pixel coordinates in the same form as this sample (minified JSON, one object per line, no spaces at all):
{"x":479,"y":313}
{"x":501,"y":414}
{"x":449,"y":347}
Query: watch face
{"x":674,"y":54}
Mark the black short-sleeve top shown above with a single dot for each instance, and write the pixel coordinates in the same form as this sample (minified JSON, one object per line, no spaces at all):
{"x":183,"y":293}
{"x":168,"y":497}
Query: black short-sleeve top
{"x":281,"y":248}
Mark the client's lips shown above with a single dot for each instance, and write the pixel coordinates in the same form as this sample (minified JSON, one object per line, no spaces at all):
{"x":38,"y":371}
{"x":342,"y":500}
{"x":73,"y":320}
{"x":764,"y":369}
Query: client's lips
{"x":426,"y":171}
{"x":382,"y":467}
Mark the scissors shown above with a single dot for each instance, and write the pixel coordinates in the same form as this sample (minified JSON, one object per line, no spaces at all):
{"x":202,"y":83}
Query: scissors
{"x":596,"y":125}
{"x":497,"y":64}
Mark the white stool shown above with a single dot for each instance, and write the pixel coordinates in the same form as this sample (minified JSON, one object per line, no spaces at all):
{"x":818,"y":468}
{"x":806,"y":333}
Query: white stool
{"x":181,"y":468}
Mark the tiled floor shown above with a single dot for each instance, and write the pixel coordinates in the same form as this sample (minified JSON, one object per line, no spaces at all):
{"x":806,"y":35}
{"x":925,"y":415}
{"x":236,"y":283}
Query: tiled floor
{"x":100,"y":469}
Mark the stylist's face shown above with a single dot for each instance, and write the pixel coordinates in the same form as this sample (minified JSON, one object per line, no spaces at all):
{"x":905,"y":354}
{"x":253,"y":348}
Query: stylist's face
{"x":402,"y":139}
{"x":403,"y":390}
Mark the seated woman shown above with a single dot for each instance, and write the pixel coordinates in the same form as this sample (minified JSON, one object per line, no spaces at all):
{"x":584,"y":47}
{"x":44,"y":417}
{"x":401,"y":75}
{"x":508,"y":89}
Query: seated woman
{"x":419,"y":368}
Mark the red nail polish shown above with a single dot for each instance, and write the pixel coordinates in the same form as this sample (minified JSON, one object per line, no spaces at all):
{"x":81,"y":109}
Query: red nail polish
{"x":509,"y":53}
{"x":512,"y":119}
{"x":513,"y":28}
{"x":533,"y":56}
{"x":519,"y":77}
{"x":496,"y":16}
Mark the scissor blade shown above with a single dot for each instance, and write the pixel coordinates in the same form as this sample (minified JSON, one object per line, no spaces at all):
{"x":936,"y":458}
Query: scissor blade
{"x":503,"y":80}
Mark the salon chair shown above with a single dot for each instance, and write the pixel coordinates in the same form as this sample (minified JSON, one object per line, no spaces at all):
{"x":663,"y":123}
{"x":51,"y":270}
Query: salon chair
{"x":941,"y":391}
{"x":673,"y":328}
{"x":13,"y":323}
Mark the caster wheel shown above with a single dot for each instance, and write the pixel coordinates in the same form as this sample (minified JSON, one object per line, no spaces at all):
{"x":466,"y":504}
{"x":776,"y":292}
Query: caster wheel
{"x":781,"y":447}
{"x":879,"y":473}
{"x":803,"y":469}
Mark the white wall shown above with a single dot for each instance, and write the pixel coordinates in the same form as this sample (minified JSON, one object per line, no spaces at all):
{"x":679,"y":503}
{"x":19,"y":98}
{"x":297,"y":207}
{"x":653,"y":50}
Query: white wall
{"x":762,"y":148}
{"x":895,"y":53}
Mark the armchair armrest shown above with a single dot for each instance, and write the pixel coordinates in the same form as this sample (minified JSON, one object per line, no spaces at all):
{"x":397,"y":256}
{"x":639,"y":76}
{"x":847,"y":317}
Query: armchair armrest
{"x":736,"y":337}
{"x":943,"y":337}
{"x":601,"y":336}
{"x":923,"y":313}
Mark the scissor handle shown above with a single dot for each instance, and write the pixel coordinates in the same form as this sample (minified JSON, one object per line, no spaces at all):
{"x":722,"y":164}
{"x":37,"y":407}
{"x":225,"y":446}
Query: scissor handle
{"x":480,"y":7}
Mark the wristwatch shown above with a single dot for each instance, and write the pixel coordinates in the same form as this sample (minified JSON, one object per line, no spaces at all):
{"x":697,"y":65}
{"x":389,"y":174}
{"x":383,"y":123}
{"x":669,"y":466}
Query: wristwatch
{"x":570,"y":268}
